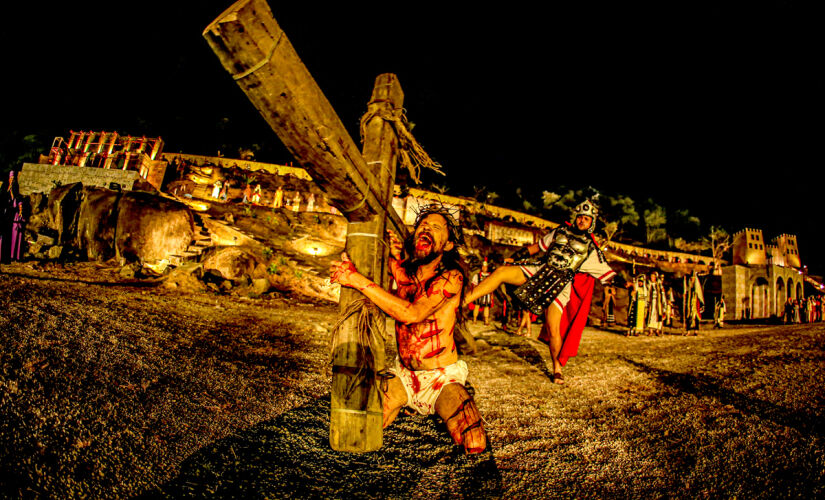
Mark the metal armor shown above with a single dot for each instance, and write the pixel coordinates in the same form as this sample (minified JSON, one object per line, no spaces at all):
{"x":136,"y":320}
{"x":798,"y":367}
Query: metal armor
{"x":564,"y":257}
{"x":568,"y":250}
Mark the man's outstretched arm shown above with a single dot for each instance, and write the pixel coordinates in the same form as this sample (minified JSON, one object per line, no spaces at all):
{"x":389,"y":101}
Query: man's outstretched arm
{"x":442,"y":289}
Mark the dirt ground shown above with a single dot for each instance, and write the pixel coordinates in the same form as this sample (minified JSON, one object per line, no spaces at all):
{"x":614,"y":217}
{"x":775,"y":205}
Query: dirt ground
{"x":113,"y":388}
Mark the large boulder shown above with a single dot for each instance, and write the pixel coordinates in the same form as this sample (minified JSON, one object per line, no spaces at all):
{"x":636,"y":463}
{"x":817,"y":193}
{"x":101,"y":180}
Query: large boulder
{"x":64,"y":207}
{"x":150,"y":227}
{"x":232,"y":262}
{"x":97,"y":222}
{"x":132,"y":226}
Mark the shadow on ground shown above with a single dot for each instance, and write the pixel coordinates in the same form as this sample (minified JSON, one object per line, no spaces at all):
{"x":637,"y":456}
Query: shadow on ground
{"x":290,"y":456}
{"x":523,"y":348}
{"x":703,"y":386}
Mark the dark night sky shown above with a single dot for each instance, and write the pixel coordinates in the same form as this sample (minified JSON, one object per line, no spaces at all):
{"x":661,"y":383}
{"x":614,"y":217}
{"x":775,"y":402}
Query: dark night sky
{"x":710,"y":106}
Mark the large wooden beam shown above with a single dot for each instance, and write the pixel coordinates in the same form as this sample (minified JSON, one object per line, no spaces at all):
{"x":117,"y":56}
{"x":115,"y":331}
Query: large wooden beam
{"x":356,"y":402}
{"x":254,"y":49}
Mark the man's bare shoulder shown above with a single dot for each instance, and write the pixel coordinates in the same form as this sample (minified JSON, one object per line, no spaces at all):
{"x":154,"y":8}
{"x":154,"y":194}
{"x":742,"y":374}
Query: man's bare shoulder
{"x":448,"y":283}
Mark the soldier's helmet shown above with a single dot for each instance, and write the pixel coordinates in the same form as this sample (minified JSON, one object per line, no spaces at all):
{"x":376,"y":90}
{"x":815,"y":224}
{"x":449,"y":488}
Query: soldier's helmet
{"x":589,"y":208}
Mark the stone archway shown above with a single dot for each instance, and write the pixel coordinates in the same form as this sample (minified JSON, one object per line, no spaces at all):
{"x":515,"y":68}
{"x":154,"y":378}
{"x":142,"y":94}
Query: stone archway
{"x":759,"y":298}
{"x":780,"y":297}
{"x":790,"y":289}
{"x":799,"y":293}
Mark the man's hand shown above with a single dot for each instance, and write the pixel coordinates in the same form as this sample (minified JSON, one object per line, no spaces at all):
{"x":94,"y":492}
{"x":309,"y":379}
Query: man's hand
{"x":342,"y":271}
{"x":396,"y":245}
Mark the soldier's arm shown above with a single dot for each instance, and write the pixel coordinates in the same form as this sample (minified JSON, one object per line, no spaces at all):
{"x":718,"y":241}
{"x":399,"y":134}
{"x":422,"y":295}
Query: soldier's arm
{"x":596,"y":268}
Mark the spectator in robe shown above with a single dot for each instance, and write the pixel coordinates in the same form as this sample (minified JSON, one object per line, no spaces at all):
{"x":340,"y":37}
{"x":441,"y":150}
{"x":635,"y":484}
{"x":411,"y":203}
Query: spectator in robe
{"x":18,"y":231}
{"x":821,"y":309}
{"x":609,"y":307}
{"x":247,"y":194}
{"x":279,"y":198}
{"x":6,"y":215}
{"x":719,"y":313}
{"x":9,"y":199}
{"x":787,"y":317}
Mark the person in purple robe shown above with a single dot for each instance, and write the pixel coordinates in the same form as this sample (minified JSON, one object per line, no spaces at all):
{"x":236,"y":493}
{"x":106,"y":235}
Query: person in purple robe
{"x":18,"y":231}
{"x":6,"y":217}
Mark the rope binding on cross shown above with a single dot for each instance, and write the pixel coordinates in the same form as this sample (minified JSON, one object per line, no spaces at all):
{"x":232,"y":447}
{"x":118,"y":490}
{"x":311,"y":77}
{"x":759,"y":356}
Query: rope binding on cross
{"x":411,"y":154}
{"x":370,"y":329}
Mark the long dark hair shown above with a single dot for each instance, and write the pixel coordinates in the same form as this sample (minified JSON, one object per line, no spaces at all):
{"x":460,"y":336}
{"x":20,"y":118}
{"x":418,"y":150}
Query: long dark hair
{"x":450,"y":259}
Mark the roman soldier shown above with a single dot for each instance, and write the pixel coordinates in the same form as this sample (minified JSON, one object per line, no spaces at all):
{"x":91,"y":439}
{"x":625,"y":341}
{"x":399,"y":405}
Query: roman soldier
{"x":560,"y":285}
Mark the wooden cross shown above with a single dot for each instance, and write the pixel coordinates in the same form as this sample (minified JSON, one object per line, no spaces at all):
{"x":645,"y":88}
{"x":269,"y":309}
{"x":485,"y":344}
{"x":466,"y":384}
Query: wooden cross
{"x":256,"y":52}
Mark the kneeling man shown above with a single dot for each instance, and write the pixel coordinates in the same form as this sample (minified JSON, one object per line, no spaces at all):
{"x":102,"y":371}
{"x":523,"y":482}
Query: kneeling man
{"x":430,"y":276}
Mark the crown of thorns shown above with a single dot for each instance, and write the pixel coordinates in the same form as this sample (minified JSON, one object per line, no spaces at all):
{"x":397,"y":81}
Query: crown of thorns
{"x":439,"y":209}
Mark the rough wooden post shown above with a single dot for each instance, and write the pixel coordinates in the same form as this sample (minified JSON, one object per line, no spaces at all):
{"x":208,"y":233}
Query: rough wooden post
{"x":256,"y":52}
{"x":356,"y":414}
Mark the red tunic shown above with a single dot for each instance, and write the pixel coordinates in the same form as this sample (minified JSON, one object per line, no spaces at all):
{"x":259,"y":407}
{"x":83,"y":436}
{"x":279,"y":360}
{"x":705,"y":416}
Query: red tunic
{"x":573,"y":317}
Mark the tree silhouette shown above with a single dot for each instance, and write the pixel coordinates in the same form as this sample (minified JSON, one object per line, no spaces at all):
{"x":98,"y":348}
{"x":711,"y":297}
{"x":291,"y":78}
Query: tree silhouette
{"x":655,"y":219}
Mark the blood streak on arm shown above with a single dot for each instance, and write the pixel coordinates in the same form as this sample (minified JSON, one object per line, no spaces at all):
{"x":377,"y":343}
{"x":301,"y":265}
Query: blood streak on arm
{"x":399,"y":274}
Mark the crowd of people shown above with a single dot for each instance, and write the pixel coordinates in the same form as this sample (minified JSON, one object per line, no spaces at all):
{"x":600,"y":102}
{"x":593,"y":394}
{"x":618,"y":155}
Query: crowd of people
{"x":804,"y":310}
{"x":12,"y":220}
{"x":652,"y":306}
{"x":255,"y":195}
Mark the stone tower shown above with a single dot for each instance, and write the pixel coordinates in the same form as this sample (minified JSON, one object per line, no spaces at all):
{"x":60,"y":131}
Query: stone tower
{"x":787,"y":249}
{"x":749,"y":248}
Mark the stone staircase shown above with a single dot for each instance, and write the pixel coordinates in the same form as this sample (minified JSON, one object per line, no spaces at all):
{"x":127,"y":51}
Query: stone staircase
{"x":200,"y":242}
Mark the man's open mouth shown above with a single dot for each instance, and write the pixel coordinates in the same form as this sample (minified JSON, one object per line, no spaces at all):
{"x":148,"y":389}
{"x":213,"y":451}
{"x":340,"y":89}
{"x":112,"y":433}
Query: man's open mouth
{"x":423,"y":241}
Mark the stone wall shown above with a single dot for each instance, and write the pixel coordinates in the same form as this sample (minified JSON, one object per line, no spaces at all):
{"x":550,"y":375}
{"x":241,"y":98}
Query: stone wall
{"x":37,"y":178}
{"x":735,"y":281}
{"x":738,"y":284}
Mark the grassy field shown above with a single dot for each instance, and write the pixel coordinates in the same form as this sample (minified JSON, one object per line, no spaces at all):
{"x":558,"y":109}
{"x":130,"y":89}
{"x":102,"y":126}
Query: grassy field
{"x":113,"y":389}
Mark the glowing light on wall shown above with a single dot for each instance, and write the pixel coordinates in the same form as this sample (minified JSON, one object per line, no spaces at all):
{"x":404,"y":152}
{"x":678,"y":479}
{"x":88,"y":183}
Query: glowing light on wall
{"x":314,"y":248}
{"x":198,"y":206}
{"x":198,"y":179}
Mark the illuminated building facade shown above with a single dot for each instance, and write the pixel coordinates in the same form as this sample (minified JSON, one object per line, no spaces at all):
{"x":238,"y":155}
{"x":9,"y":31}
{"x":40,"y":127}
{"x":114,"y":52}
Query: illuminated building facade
{"x":763,"y":276}
{"x":110,"y":150}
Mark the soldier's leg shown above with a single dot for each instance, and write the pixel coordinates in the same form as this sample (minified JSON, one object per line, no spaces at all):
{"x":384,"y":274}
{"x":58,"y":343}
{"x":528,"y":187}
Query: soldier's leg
{"x":512,"y":275}
{"x":553,"y":315}
{"x":458,"y":410}
{"x":395,"y":397}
